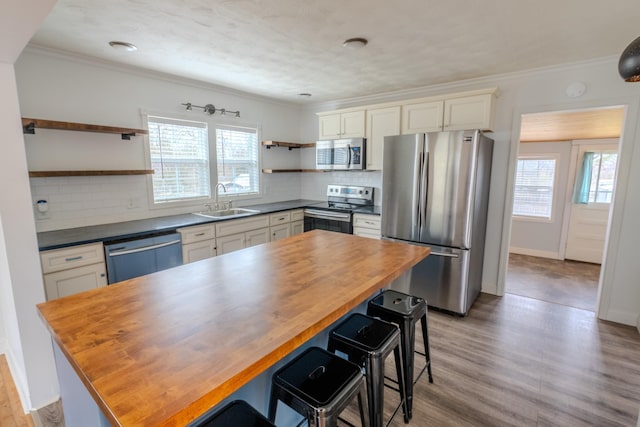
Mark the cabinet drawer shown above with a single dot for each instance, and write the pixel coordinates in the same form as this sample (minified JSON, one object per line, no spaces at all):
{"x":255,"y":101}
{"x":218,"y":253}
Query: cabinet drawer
{"x":366,"y":232}
{"x":74,"y":256}
{"x":241,"y":225}
{"x":297,"y":215}
{"x":280,"y":218}
{"x":197,"y":233}
{"x":366,"y":221}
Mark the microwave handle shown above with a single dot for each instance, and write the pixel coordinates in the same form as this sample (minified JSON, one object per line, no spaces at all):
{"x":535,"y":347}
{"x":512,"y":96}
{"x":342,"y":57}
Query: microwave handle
{"x":349,"y":155}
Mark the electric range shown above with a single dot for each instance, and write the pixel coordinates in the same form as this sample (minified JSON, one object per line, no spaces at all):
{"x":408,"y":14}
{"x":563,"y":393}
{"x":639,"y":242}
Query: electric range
{"x":336,"y":214}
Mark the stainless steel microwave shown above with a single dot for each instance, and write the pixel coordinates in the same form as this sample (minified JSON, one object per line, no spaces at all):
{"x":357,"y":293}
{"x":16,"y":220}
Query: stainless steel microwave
{"x":341,"y":154}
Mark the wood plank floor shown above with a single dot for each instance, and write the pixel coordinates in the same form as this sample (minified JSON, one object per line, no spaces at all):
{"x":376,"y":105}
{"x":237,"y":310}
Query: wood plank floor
{"x":516,"y":361}
{"x":570,"y":283}
{"x":11,"y":414}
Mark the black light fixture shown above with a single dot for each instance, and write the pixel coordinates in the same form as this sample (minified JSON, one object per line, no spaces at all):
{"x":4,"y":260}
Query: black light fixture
{"x":629,"y":64}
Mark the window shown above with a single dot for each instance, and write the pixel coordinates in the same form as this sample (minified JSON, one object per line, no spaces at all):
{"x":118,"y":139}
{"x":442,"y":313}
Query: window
{"x":179,"y":152}
{"x":534,"y":187}
{"x":603,"y":173}
{"x":595,"y":177}
{"x":237,"y":154}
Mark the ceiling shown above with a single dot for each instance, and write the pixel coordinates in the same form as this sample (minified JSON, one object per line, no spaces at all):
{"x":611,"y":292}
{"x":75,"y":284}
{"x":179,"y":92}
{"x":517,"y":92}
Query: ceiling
{"x":570,"y":125}
{"x":281,"y":48}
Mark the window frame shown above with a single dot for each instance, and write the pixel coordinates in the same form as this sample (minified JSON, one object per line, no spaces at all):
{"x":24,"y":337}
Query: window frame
{"x":229,"y":126}
{"x":554,"y":187}
{"x":212,"y":122}
{"x":604,"y":151}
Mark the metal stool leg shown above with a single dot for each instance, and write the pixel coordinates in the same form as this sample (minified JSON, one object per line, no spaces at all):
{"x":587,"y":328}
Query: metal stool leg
{"x":408,"y":336}
{"x":397,"y":355}
{"x":273,"y":404}
{"x":425,"y":338}
{"x":374,"y":367}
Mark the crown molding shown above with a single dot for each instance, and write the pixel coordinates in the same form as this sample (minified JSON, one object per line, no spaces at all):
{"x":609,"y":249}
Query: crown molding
{"x":456,"y":86}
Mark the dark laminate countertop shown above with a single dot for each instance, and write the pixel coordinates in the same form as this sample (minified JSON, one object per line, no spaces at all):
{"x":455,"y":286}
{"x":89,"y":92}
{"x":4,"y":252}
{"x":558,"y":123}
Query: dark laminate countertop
{"x":161,"y":349}
{"x":143,"y":227}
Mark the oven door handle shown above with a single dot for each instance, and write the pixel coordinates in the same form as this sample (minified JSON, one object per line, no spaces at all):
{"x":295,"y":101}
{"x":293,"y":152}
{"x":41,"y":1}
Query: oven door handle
{"x":328,"y":215}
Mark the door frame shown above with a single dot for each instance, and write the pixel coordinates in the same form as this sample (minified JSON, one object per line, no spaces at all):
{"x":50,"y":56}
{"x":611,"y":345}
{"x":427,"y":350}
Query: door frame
{"x":612,"y":239}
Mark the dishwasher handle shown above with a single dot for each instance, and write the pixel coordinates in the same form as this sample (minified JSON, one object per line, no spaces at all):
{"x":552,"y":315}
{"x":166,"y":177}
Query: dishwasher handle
{"x":142,"y":249}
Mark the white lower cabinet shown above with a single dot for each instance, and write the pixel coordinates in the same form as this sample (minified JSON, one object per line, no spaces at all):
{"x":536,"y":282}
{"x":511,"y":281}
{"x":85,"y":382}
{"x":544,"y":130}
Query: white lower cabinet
{"x":197,"y":251}
{"x":226,"y":244}
{"x":71,"y":270}
{"x":367,"y":226}
{"x":198,"y":242}
{"x":280,"y":231}
{"x":297,"y":227}
{"x":256,"y":237}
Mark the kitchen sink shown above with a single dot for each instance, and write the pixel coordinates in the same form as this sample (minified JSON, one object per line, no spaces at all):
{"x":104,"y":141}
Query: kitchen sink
{"x":226,"y":213}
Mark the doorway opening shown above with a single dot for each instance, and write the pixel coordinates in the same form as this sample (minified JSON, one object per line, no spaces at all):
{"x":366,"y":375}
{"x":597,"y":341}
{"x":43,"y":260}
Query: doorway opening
{"x":563,"y":194}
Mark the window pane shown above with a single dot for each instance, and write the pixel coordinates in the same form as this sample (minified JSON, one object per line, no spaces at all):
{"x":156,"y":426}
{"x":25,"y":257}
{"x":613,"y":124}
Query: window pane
{"x":180,"y":159}
{"x":534,"y":187}
{"x":237,"y":152}
{"x":603,"y":177}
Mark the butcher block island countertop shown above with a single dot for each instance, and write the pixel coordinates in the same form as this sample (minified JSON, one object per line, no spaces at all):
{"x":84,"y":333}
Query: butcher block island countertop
{"x":161,"y":349}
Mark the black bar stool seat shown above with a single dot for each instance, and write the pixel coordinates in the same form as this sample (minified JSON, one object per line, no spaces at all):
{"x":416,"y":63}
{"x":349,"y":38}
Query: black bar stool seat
{"x":318,"y":385}
{"x":405,"y":311}
{"x":237,"y":413}
{"x":367,"y":342}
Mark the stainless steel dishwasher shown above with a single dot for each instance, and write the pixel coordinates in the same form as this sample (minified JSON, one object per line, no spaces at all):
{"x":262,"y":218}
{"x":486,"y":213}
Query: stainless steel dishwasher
{"x":136,"y":257}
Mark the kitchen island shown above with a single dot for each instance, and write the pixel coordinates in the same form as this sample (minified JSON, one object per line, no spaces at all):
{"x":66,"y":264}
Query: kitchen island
{"x":161,"y":349}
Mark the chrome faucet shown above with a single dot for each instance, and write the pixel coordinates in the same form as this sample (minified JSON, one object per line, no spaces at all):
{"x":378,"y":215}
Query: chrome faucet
{"x":215,"y":200}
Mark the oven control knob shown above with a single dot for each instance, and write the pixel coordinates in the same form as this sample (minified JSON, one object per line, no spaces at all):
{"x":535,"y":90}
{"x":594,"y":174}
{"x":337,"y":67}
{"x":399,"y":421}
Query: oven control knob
{"x":360,"y":191}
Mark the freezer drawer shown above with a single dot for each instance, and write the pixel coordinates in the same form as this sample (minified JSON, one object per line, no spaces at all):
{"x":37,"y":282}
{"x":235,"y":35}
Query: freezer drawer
{"x":442,"y":279}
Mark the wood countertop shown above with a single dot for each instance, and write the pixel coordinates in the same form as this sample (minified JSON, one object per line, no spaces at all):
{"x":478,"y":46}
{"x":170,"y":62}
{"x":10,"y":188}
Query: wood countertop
{"x":161,"y":349}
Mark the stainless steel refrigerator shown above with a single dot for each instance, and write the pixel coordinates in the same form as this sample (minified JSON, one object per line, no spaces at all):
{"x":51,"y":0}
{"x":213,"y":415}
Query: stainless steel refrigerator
{"x":435,"y":192}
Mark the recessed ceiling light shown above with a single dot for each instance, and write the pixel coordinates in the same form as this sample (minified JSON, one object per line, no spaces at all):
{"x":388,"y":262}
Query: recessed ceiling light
{"x":355,"y":43}
{"x":124,"y":46}
{"x":304,"y":94}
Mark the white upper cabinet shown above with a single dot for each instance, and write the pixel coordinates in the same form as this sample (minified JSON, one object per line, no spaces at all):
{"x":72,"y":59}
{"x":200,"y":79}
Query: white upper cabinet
{"x":341,"y":125}
{"x":469,"y":112}
{"x":422,"y":117}
{"x":381,"y":122}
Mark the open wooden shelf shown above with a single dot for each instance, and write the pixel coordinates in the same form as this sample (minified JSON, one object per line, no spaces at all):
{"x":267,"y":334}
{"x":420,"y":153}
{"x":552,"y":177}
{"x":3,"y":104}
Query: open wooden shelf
{"x":289,"y":145}
{"x":290,"y":170}
{"x":29,"y":126}
{"x":43,"y":174}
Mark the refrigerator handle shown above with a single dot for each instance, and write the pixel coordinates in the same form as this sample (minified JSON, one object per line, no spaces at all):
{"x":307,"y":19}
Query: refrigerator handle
{"x":424,"y":190}
{"x":418,"y":193}
{"x":444,"y":254}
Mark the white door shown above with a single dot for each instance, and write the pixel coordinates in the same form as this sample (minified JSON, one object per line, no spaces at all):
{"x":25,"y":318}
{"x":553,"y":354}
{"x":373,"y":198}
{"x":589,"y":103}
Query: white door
{"x":588,"y":221}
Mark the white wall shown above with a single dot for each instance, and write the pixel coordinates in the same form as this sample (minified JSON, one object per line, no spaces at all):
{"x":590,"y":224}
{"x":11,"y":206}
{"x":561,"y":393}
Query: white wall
{"x":29,"y":348}
{"x":77,"y":90}
{"x":537,"y":91}
{"x":22,"y":335}
{"x":541,"y":237}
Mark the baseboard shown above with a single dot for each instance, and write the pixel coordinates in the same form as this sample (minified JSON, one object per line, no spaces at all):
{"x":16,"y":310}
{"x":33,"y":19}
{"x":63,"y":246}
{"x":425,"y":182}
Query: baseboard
{"x":18,"y":380}
{"x":534,"y":252}
{"x":623,"y":317}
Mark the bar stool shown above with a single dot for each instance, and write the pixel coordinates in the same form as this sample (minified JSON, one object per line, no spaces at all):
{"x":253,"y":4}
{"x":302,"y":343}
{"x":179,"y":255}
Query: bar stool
{"x":367,"y":342}
{"x":234,"y":414}
{"x":318,"y":385}
{"x":405,"y":311}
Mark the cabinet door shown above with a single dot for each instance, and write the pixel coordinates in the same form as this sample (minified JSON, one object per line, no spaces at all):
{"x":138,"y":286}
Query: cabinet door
{"x":352,"y":124}
{"x":230,"y":243}
{"x":471,"y":112}
{"x":423,"y":117}
{"x":381,"y":122}
{"x":68,"y":282}
{"x":199,"y":250}
{"x":280,"y":232}
{"x":257,"y":237}
{"x":297,"y":227}
{"x":329,"y":127}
